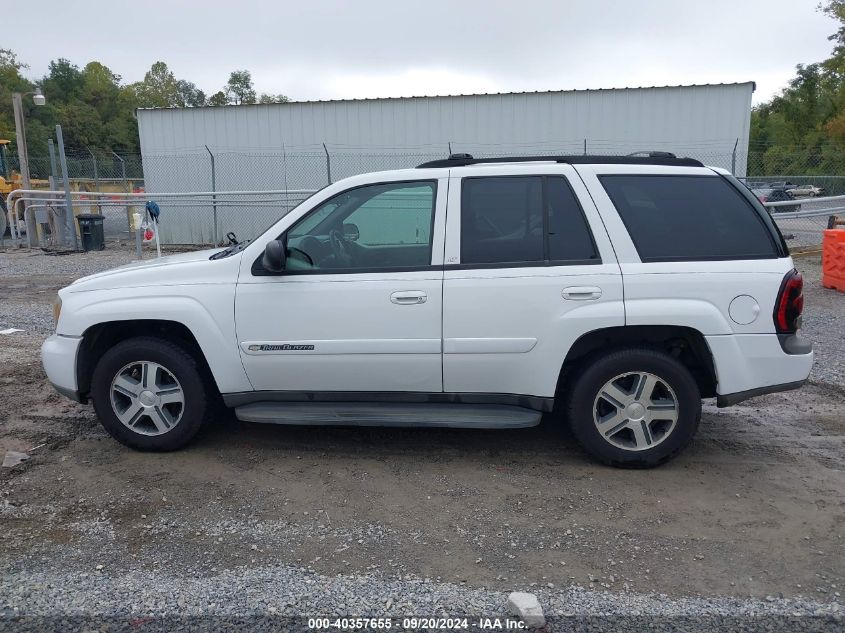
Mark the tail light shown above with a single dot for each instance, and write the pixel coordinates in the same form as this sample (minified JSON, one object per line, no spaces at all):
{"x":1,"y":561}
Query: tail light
{"x":790,"y":303}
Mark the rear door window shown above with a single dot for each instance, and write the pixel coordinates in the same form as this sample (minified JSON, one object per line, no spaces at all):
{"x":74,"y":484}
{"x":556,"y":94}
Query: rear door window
{"x":688,"y":218}
{"x":523,"y":220}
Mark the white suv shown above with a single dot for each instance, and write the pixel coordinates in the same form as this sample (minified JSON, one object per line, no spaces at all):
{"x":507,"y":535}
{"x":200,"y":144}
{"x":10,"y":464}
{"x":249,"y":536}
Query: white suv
{"x":466,"y":292}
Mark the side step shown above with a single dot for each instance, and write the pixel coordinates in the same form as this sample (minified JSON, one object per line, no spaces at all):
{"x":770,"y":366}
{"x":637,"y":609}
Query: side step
{"x":466,"y":416}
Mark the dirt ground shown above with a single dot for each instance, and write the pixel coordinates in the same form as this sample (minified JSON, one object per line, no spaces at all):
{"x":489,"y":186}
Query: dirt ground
{"x":753,"y":508}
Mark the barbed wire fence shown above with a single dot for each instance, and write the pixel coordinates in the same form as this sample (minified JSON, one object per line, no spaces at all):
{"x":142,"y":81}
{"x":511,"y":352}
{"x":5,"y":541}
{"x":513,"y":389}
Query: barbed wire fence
{"x":301,"y":170}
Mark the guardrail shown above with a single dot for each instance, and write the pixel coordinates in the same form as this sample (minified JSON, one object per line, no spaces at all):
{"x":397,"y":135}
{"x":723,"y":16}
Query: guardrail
{"x":803,"y":224}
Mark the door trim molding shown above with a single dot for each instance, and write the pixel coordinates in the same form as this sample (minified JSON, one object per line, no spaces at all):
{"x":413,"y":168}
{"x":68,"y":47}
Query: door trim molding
{"x":342,"y":347}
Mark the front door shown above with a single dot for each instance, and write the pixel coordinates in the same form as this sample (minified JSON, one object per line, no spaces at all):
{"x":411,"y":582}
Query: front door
{"x":359,"y":306}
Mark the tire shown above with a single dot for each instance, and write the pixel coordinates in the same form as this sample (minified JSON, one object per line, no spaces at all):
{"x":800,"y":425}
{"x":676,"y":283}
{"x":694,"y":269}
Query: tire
{"x":161,"y":422}
{"x":636,"y":431}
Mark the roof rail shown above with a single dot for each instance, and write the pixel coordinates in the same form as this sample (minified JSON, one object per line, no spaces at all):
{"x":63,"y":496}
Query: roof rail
{"x":640,"y":158}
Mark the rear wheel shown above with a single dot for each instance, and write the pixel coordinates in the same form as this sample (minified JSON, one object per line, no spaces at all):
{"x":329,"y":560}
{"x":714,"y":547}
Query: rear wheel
{"x":150,"y":394}
{"x":634,"y":408}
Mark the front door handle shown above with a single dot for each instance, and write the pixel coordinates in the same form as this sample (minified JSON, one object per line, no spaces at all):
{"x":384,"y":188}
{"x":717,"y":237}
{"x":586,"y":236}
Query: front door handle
{"x":581,"y":293}
{"x":408,"y":297}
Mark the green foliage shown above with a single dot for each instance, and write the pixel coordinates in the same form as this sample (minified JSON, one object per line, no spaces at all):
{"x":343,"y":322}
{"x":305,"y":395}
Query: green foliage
{"x":218,"y":99}
{"x":239,"y":88}
{"x":801,"y":131}
{"x":96,"y":111}
{"x":268,"y":98}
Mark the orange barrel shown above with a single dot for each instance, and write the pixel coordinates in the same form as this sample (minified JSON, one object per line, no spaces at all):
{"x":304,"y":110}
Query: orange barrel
{"x":833,"y":259}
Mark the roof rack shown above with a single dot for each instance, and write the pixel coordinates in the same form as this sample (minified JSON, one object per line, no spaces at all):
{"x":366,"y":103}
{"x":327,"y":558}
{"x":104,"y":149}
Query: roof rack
{"x":638,"y":158}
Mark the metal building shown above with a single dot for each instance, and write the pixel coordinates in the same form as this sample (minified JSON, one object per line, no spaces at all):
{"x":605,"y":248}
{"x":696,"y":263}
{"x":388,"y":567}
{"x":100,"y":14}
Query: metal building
{"x":300,"y":145}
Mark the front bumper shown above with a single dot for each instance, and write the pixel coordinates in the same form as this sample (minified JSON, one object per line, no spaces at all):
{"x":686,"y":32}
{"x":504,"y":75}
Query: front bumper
{"x":58,"y":355}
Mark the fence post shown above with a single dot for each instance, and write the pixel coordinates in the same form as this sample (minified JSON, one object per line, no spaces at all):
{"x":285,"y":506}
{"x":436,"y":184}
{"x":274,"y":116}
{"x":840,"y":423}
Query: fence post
{"x":68,"y":200}
{"x":585,"y":147}
{"x":122,"y":171}
{"x":213,"y":197}
{"x":96,"y":181}
{"x":129,"y":209}
{"x":61,"y":232}
{"x":328,"y":164}
{"x":733,"y":158}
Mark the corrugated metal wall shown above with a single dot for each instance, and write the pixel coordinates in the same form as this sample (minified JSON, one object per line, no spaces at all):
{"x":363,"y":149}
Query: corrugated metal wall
{"x":278,"y":146}
{"x":688,"y":116}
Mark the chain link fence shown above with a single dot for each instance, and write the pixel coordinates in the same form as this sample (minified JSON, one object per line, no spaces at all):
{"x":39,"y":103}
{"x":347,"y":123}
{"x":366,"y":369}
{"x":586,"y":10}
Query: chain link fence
{"x":207,"y":219}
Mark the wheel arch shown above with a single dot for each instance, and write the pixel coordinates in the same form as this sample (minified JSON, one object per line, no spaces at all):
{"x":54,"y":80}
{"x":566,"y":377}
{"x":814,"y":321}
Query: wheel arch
{"x":98,"y":338}
{"x":686,"y":344}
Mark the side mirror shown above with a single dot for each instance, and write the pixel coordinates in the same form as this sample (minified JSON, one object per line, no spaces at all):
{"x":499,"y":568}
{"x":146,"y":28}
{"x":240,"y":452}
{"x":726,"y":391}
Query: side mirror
{"x":274,"y":256}
{"x":351,"y":232}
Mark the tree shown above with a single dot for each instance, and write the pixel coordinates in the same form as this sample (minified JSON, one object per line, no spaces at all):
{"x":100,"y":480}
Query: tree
{"x":189,"y":94}
{"x":218,"y":99}
{"x":802,"y":129}
{"x":159,"y":89}
{"x":268,"y":98}
{"x":11,"y":81}
{"x":239,"y":89}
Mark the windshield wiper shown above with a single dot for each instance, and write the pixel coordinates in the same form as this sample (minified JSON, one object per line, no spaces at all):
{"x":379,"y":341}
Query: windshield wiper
{"x":231,"y":250}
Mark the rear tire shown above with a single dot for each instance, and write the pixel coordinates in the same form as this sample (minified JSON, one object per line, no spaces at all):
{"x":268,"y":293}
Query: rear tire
{"x":150,"y":394}
{"x":634,"y":408}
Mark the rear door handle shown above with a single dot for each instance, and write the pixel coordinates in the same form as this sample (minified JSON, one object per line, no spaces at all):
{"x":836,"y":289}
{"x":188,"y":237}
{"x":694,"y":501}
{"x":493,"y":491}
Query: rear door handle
{"x":408,"y":297}
{"x":581,"y":293}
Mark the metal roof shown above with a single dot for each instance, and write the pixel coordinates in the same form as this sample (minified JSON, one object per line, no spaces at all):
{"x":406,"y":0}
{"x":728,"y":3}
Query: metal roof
{"x":476,"y":94}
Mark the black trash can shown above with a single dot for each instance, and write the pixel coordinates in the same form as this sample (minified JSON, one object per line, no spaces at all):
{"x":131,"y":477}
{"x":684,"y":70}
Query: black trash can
{"x":91,"y":231}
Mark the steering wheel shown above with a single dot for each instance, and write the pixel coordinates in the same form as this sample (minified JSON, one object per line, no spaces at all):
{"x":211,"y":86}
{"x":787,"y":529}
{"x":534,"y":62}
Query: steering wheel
{"x":340,"y":248}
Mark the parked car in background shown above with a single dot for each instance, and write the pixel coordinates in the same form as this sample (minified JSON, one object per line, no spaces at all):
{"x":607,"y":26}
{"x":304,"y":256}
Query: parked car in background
{"x":806,"y":191}
{"x":776,"y":194}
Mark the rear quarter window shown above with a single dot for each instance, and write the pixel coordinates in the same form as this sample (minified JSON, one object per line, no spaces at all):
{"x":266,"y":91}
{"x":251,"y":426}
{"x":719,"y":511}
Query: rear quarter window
{"x":688,"y":218}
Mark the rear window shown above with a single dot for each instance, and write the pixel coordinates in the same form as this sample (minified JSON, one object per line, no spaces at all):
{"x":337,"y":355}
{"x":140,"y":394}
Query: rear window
{"x":684,"y":218}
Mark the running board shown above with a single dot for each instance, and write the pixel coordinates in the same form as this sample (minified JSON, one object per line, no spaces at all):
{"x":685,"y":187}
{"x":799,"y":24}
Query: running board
{"x":467,"y":416}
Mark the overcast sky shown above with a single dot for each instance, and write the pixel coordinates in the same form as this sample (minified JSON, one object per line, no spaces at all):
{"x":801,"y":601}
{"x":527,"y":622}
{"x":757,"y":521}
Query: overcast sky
{"x":316,"y":49}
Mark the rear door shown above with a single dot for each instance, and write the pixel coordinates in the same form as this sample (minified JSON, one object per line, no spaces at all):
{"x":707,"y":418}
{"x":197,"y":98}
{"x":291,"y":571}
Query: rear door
{"x":529,"y":269}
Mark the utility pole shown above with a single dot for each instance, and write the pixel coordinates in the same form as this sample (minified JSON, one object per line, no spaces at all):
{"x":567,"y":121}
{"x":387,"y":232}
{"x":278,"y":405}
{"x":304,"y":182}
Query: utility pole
{"x":61,"y":229}
{"x":68,"y":201}
{"x":23,"y":159}
{"x":23,"y":155}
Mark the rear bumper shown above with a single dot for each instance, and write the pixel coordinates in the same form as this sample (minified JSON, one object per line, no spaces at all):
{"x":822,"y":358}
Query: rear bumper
{"x":749,"y":365}
{"x":730,"y":399}
{"x":58,"y":355}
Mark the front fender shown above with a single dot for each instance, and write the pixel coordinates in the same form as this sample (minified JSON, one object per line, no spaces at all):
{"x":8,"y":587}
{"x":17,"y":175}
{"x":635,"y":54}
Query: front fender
{"x":208,"y":313}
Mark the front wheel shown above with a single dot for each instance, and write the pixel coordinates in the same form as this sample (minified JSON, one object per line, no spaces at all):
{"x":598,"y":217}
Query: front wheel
{"x":150,"y":394}
{"x":634,"y":408}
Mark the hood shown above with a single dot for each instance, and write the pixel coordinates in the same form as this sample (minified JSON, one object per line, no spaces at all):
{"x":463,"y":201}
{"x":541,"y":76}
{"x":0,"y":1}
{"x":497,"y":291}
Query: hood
{"x":193,"y":267}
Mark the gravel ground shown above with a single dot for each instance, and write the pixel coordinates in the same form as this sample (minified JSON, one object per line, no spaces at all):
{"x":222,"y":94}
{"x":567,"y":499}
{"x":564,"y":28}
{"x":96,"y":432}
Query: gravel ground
{"x":253,"y":525}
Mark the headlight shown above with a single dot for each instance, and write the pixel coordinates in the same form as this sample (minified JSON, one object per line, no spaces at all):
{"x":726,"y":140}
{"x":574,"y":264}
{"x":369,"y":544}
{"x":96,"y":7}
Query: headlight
{"x":57,"y":309}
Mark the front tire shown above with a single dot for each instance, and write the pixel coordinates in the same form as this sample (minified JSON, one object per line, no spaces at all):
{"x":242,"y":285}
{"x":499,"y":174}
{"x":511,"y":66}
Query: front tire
{"x":634,"y":408}
{"x":150,"y":394}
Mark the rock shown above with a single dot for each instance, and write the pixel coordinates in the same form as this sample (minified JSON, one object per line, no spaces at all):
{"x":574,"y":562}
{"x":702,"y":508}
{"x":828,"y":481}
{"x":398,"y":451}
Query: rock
{"x":13,"y":458}
{"x":527,"y":607}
